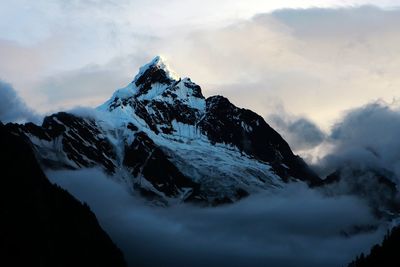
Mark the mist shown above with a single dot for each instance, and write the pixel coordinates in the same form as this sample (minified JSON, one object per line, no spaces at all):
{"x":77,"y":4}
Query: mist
{"x":366,"y":137}
{"x":292,"y":226}
{"x":300,"y":132}
{"x":13,"y":108}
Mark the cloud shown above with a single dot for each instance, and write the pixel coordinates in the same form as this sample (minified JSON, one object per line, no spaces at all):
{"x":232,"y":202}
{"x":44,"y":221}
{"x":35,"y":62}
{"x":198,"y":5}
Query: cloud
{"x":366,"y":138}
{"x":300,"y":132}
{"x":346,"y":22}
{"x":88,"y":86}
{"x":294,"y":226}
{"x":361,"y":148}
{"x":12,"y":107}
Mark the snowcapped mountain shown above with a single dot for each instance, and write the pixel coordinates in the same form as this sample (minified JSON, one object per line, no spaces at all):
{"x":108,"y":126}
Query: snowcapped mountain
{"x":161,"y":136}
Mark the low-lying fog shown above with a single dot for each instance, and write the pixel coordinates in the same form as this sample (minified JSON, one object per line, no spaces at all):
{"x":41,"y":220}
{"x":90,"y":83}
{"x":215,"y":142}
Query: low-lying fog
{"x":294,"y":226}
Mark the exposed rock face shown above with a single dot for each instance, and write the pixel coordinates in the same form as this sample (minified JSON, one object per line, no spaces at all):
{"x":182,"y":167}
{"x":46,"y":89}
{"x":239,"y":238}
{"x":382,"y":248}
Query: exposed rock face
{"x":68,"y":141}
{"x":145,"y":159}
{"x":42,"y":224}
{"x":244,"y":129}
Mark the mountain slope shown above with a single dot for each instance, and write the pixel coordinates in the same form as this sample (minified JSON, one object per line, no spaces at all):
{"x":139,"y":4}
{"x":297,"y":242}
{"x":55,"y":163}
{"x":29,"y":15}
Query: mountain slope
{"x":161,"y":136}
{"x":384,"y":255}
{"x":374,"y":185}
{"x":41,"y":224}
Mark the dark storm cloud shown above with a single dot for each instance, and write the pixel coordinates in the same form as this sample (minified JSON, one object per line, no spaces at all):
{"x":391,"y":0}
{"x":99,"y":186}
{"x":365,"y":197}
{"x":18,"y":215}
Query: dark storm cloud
{"x":294,"y":226}
{"x":12,"y":107}
{"x":300,"y":132}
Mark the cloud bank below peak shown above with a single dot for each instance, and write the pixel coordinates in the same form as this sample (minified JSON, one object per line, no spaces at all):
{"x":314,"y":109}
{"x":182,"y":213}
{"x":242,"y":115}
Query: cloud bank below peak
{"x":277,"y":229}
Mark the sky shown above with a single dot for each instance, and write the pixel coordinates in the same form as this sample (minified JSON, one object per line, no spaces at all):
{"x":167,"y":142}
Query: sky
{"x":315,"y":59}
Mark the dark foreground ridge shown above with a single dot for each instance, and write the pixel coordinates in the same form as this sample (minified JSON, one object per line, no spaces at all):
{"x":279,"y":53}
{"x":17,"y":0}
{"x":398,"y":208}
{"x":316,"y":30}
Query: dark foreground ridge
{"x":384,"y":255}
{"x":42,"y":224}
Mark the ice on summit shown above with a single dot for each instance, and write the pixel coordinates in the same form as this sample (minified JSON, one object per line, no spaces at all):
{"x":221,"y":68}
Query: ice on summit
{"x":160,"y":63}
{"x":157,"y":81}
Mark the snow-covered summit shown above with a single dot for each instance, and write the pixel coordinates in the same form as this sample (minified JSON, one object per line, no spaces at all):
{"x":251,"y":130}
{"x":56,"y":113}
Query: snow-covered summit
{"x":160,"y":63}
{"x":157,"y":84}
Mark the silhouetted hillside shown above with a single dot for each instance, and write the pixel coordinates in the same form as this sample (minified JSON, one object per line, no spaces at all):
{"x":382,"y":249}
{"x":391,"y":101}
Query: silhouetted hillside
{"x":42,"y":224}
{"x":384,"y":255}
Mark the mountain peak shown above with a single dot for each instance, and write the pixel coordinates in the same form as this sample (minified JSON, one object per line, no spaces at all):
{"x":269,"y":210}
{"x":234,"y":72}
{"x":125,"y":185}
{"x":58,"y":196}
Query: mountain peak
{"x":157,"y":82}
{"x":158,"y":66}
